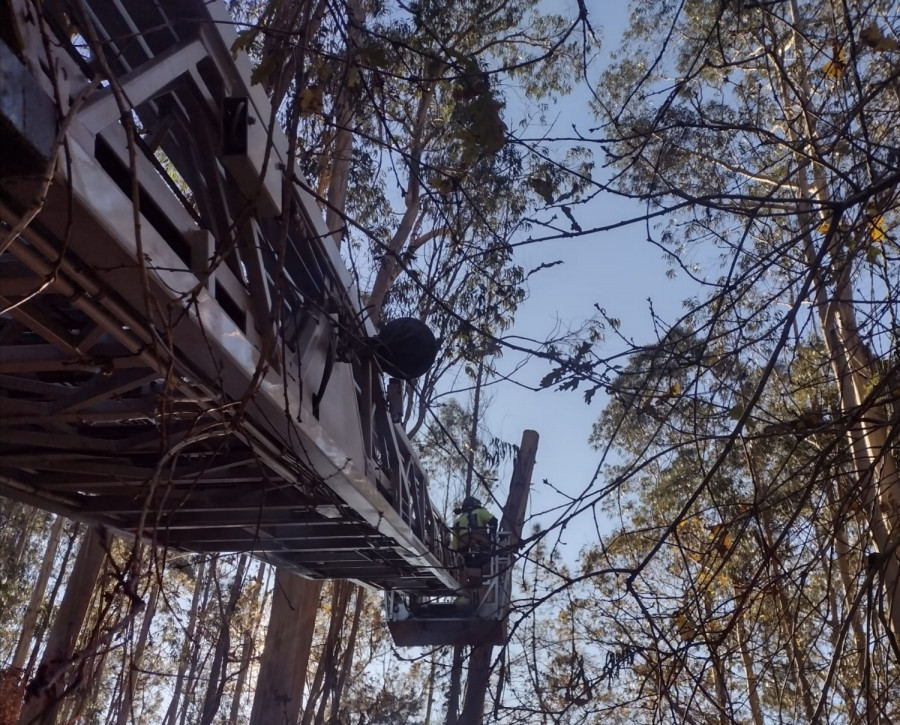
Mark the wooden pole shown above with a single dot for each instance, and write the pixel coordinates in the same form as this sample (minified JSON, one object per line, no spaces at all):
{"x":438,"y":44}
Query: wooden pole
{"x":513,"y":520}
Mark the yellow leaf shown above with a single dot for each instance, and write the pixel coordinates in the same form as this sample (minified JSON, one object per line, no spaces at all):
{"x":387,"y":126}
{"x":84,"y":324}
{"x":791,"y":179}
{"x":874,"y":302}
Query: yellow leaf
{"x":876,"y":228}
{"x":874,"y":38}
{"x":834,"y":68}
{"x":824,"y":228}
{"x":685,"y":627}
{"x":675,"y":389}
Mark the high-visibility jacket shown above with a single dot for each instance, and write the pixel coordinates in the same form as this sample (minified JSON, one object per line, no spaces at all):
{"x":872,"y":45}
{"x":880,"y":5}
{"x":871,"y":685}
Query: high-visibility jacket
{"x":473,"y":527}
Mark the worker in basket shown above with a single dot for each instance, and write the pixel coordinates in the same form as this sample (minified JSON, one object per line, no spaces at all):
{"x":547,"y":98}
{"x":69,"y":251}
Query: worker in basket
{"x":474,"y":535}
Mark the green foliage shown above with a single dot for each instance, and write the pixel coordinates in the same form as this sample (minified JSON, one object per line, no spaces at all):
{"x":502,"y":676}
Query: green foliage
{"x":430,"y":123}
{"x":739,"y":547}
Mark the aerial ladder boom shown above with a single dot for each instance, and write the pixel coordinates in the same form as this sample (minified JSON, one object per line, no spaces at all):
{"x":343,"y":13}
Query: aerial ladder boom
{"x":183,"y":354}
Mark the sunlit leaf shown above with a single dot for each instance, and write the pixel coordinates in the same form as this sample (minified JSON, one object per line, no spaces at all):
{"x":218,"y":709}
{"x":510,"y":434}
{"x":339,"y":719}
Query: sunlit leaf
{"x":835,"y":67}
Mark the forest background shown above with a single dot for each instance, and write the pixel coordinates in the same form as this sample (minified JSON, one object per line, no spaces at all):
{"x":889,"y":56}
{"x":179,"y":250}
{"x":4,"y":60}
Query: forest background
{"x":733,"y":521}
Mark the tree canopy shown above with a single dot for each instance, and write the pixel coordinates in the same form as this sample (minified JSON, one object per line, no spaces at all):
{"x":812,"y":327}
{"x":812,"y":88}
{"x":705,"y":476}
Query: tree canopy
{"x":742,"y":527}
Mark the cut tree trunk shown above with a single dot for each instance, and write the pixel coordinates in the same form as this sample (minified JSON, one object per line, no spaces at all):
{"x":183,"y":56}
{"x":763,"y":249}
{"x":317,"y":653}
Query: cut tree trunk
{"x":512,"y":521}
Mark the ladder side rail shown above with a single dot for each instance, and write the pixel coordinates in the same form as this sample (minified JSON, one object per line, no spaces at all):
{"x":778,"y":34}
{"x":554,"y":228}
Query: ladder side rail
{"x":421,"y":515}
{"x":221,"y":37}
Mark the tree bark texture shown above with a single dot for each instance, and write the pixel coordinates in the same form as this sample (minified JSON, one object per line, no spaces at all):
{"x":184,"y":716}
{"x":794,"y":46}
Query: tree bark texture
{"x":282,"y":673}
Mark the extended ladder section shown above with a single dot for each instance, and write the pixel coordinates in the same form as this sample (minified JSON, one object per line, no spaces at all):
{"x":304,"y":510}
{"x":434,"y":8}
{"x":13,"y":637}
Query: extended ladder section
{"x":183,"y":355}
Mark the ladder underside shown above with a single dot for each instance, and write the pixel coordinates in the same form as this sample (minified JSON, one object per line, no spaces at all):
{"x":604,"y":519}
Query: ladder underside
{"x":176,"y":375}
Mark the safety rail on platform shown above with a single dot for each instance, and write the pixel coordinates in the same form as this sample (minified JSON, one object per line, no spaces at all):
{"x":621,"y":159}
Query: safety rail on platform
{"x":468,"y":616}
{"x":162,"y":278}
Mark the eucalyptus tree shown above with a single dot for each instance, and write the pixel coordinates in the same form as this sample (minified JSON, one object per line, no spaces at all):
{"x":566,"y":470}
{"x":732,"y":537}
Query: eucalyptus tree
{"x":731,"y":583}
{"x":763,"y":137}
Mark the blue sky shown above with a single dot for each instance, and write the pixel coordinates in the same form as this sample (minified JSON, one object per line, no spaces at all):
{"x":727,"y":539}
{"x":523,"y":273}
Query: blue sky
{"x":618,"y":270}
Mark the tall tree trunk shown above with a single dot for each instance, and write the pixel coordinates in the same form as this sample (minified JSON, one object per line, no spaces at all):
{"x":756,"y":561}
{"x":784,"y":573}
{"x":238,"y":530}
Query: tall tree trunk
{"x":247,"y":649}
{"x":284,"y":21}
{"x":282,"y":672}
{"x":429,"y":701}
{"x":512,"y":522}
{"x":44,"y":621}
{"x":134,"y":662}
{"x":53,"y":675}
{"x":197,"y":662}
{"x":336,"y":678}
{"x":750,"y":672}
{"x":720,"y":683}
{"x":92,"y":693}
{"x":318,"y":693}
{"x":342,"y":149}
{"x":347,"y":663}
{"x":389,"y":267}
{"x":473,"y":431}
{"x":455,"y":686}
{"x":479,"y":675}
{"x":24,"y":535}
{"x":219,"y":669}
{"x":29,"y":621}
{"x":200,"y":654}
{"x":187,"y":646}
{"x":787,"y":622}
{"x":853,"y":363}
{"x":246,"y":656}
{"x":843,"y":553}
{"x":12,"y":680}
